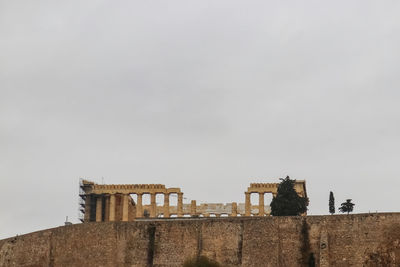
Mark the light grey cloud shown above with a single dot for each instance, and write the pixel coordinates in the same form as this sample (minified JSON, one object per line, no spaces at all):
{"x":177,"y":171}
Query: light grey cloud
{"x":202,"y":95}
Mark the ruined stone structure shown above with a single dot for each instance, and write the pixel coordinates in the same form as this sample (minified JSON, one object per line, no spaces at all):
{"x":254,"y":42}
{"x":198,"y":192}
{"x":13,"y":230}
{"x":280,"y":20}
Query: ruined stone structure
{"x":105,"y":202}
{"x":368,"y":240}
{"x":113,"y":202}
{"x":263,"y":188}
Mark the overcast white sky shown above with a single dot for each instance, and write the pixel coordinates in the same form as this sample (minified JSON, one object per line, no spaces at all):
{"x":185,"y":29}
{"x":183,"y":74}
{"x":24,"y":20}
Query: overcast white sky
{"x":203,"y":95}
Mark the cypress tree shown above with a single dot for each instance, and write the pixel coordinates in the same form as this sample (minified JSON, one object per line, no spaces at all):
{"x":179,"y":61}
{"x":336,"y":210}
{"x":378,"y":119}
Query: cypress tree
{"x":287,"y":202}
{"x":331,"y":203}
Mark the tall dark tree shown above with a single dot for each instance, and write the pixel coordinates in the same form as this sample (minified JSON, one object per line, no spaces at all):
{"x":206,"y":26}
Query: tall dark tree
{"x":287,"y":202}
{"x":331,"y":203}
{"x":347,"y":206}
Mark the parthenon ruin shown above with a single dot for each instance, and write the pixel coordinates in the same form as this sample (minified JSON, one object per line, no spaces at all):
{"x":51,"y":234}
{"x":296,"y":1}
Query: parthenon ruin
{"x":114,"y":202}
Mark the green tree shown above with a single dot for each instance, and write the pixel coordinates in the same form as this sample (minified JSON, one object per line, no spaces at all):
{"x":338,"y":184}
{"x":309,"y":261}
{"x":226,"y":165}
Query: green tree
{"x":287,"y":202}
{"x":347,"y":206}
{"x":331,"y":203}
{"x":201,"y":261}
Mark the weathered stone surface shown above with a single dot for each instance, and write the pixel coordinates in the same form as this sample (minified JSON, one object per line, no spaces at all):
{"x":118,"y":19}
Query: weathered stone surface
{"x":339,"y":240}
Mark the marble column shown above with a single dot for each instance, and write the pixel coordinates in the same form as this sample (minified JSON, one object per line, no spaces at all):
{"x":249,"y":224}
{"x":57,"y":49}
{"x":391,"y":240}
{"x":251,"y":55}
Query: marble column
{"x":125,"y":202}
{"x":88,"y":200}
{"x":193,"y":208}
{"x":99,"y":202}
{"x":112,"y":208}
{"x":107,"y":208}
{"x":180,"y":204}
{"x":260,"y":204}
{"x":234,"y":209}
{"x":247,"y":205}
{"x":139,"y":206}
{"x":153,"y":205}
{"x":166,"y":205}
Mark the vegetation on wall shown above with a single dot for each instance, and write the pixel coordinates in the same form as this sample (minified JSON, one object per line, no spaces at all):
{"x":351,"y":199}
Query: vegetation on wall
{"x":287,"y":202}
{"x":201,"y":261}
{"x":305,"y":241}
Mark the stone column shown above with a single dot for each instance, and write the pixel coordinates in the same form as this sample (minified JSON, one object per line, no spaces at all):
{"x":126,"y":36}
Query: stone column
{"x":247,"y":205}
{"x":193,"y":208}
{"x":139,"y":206}
{"x":166,"y":205}
{"x":107,"y":208}
{"x":234,"y":209}
{"x":180,"y":204}
{"x":99,"y":203}
{"x":112,"y":207}
{"x":88,"y":201}
{"x":125,"y":199}
{"x":260,"y":204}
{"x":153,"y":205}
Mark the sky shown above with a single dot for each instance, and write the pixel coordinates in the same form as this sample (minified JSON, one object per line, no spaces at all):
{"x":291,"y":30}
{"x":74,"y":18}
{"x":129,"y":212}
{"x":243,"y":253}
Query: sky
{"x":207,"y":96}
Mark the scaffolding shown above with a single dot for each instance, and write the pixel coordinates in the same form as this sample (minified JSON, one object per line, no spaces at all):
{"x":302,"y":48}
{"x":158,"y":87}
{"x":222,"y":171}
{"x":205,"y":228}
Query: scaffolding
{"x":81,"y":201}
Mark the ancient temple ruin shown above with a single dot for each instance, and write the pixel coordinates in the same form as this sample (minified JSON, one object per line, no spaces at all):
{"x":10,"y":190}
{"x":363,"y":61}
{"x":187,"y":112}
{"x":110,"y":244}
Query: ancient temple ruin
{"x":114,"y":202}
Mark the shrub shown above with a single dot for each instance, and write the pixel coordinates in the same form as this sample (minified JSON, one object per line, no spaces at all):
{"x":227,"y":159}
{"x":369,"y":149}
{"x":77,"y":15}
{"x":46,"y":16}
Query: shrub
{"x":201,"y":261}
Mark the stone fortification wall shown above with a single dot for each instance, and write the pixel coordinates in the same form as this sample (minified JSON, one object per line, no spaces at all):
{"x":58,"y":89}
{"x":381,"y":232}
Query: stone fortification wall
{"x":339,"y":240}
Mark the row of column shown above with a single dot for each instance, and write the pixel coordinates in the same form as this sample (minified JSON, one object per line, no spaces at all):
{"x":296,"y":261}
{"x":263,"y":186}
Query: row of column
{"x":110,"y":206}
{"x":260,"y":204}
{"x":110,"y":203}
{"x":153,"y":205}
